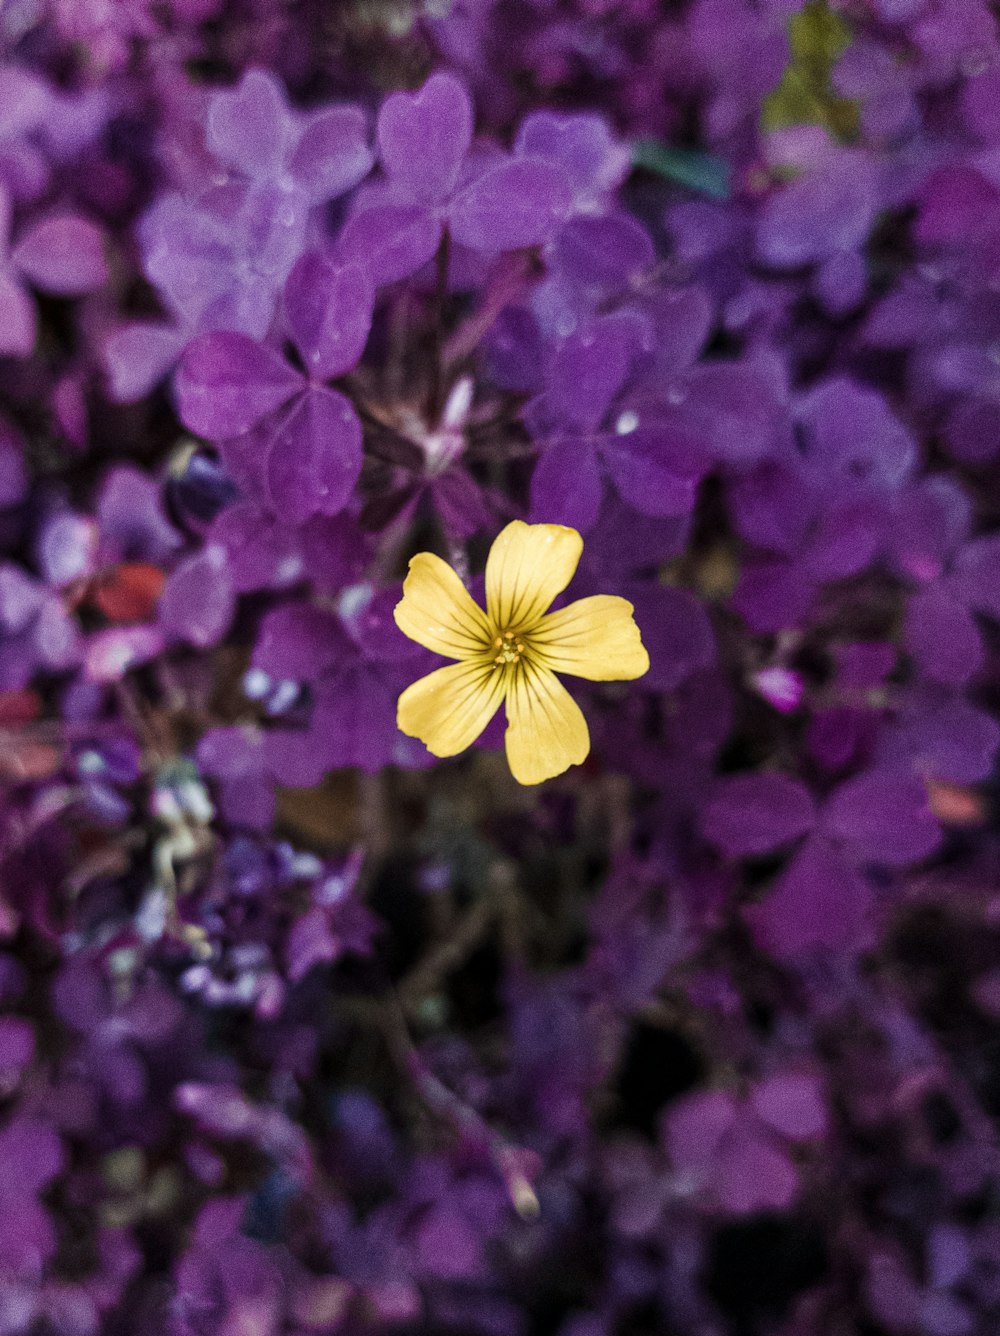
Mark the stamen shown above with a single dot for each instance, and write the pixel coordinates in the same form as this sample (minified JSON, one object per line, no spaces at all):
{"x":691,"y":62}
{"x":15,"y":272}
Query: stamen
{"x":510,"y":647}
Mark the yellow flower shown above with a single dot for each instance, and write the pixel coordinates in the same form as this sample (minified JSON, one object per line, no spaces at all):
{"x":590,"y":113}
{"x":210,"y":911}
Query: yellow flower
{"x":511,"y":653}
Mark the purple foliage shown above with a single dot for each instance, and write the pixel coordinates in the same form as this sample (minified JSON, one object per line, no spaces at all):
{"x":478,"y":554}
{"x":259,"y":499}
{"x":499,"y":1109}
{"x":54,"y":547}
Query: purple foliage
{"x":303,"y":1031}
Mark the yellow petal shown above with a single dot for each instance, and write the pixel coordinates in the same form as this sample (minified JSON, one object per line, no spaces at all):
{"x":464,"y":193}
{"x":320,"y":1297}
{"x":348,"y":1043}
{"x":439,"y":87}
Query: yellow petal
{"x":438,"y":612}
{"x":448,"y":709}
{"x":546,"y":733}
{"x":594,"y":637}
{"x":528,"y":565}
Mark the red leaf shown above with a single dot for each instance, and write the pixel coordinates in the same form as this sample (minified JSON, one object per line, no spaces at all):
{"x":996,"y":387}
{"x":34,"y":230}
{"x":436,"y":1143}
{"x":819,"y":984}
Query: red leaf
{"x":19,"y":707}
{"x":130,"y":591}
{"x":956,"y":804}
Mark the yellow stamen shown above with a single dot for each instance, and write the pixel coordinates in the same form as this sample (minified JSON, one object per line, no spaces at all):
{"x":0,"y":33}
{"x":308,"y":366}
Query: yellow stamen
{"x":510,"y":650}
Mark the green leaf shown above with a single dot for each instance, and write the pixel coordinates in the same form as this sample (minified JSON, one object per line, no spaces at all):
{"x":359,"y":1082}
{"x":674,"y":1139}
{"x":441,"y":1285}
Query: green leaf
{"x":818,"y":38}
{"x":702,"y":172}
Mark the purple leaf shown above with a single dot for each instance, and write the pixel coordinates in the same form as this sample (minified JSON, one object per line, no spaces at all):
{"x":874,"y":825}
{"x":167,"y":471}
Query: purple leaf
{"x":819,"y":903}
{"x":231,"y":752}
{"x":423,"y":137}
{"x":828,"y":210}
{"x":519,"y":203}
{"x":310,"y":942}
{"x":864,"y":663}
{"x":269,"y":232}
{"x":198,"y":602}
{"x":841,"y":282}
{"x":676,"y":632}
{"x":588,"y":369}
{"x":772,"y":506}
{"x":750,"y":815}
{"x":972,"y":431}
{"x":605,"y":252}
{"x":315,"y":457}
{"x":683,"y":318}
{"x":63,"y":254}
{"x":906,"y":317}
{"x":956,"y":201}
{"x":716,"y":1149}
{"x":66,"y":547}
{"x":227,"y":382}
{"x":234,"y":757}
{"x":21,"y":598}
{"x":980,"y":103}
{"x":13,"y":478}
{"x":949,"y":1255}
{"x":18,"y":320}
{"x":57,"y":636}
{"x":846,"y":537}
{"x":187,"y":254}
{"x":792,"y":1103}
{"x":262,"y":552}
{"x":130,"y":517}
{"x":447,"y":1246}
{"x":851,"y":430}
{"x":248,"y":125}
{"x":656,"y":469}
{"x":754,"y":1173}
{"x":25,"y":101}
{"x":694,"y":1129}
{"x":976,"y":575}
{"x":329,"y":308}
{"x":581,"y":143}
{"x":885,"y":817}
{"x":515,"y":349}
{"x":334,"y":551}
{"x":293,"y":758}
{"x":459,"y":502}
{"x":566,"y":486}
{"x":738,"y":408}
{"x":931,"y":520}
{"x":244,"y":459}
{"x":354,"y":721}
{"x":367,"y":618}
{"x":956,"y":743}
{"x":942,"y":637}
{"x":390,"y":241}
{"x":17,"y":1047}
{"x":332,"y":154}
{"x":299,"y":642}
{"x":138,"y":356}
{"x":772,"y":595}
{"x":32,"y":1155}
{"x":249,"y":801}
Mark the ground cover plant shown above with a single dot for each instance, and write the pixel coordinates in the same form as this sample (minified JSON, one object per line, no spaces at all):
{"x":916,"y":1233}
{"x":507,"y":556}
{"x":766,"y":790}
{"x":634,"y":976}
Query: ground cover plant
{"x":656,"y":348}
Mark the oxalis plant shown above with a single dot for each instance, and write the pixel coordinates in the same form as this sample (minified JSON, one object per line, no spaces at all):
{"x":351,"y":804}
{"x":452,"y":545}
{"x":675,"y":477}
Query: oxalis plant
{"x":499,"y":584}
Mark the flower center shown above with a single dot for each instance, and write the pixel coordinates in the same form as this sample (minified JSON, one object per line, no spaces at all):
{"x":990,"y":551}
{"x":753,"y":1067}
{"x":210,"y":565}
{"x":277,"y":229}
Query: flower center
{"x":508,"y":648}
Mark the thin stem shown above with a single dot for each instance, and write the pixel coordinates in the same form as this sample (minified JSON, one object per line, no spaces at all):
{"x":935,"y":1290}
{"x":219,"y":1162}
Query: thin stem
{"x":435,"y":401}
{"x":430,"y":973}
{"x":510,"y":280}
{"x":515,"y":1165}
